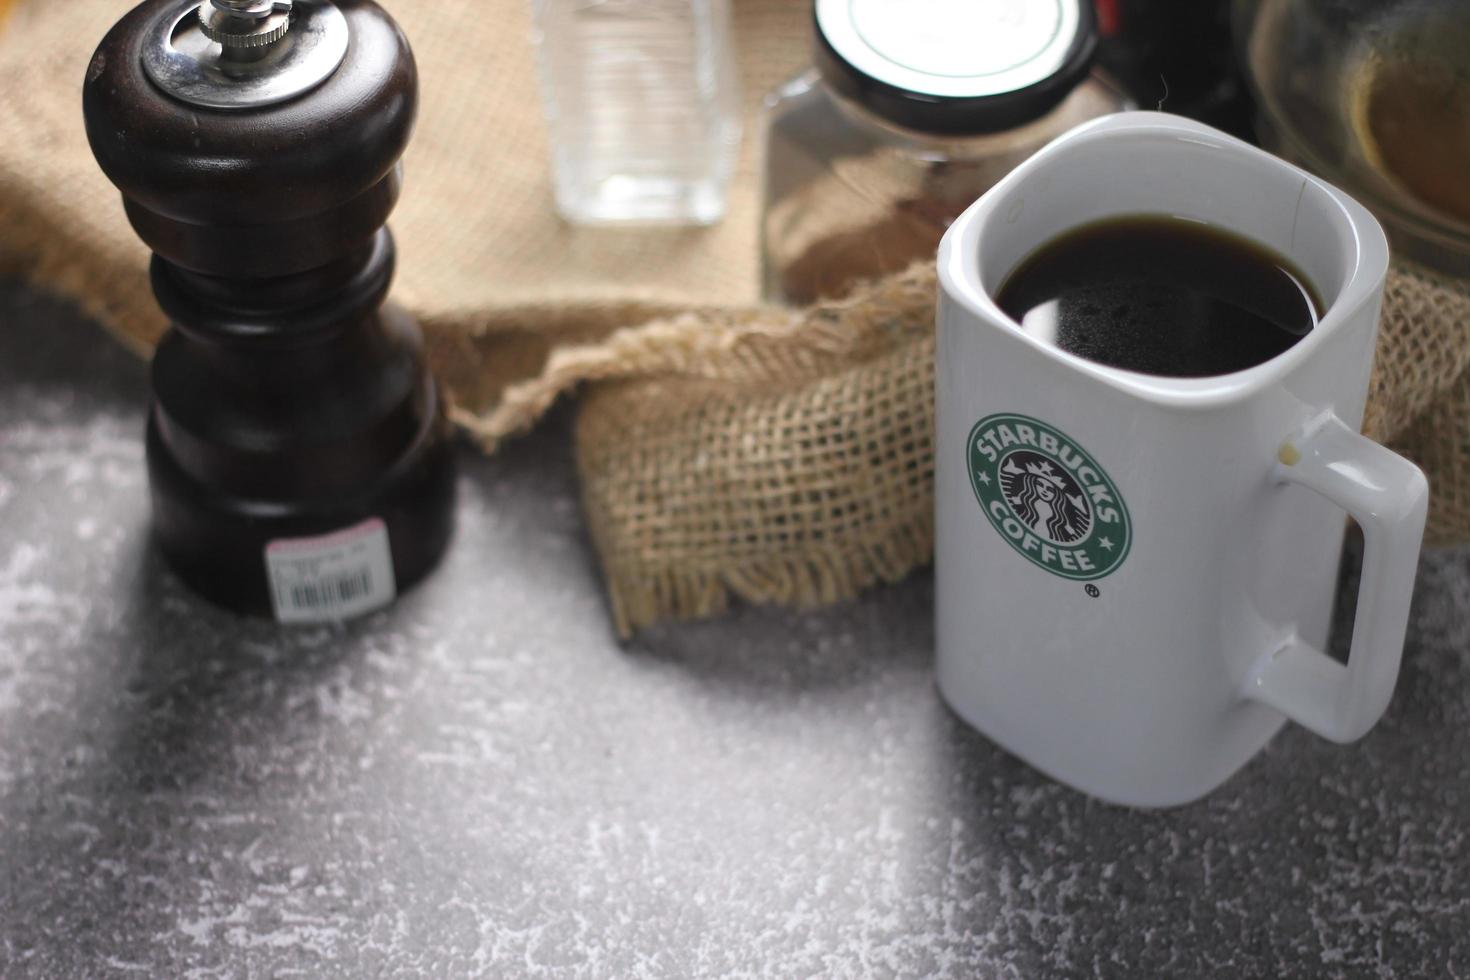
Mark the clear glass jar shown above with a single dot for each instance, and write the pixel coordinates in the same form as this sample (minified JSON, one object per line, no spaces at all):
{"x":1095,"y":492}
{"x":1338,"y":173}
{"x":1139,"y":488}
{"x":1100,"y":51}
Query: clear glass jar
{"x":642,"y":102}
{"x":866,"y":166}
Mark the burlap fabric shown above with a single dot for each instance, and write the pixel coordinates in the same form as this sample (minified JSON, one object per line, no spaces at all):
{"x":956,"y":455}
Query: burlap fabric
{"x":789,"y":457}
{"x":726,"y":449}
{"x":495,"y":277}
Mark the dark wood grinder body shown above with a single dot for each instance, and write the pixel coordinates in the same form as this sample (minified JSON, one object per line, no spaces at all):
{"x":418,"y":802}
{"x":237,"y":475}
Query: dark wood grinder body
{"x":287,"y":404}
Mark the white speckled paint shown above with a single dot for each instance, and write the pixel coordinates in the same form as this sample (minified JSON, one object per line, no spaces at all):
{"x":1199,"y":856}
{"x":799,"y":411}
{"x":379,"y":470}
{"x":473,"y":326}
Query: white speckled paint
{"x":479,"y":782}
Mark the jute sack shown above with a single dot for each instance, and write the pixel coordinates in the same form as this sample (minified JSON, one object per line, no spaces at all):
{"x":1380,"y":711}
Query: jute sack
{"x":726,"y":449}
{"x":789,"y":458}
{"x":494,"y":276}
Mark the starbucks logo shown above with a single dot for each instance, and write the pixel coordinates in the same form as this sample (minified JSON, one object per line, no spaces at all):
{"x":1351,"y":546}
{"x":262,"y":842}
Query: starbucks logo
{"x":1046,"y":496}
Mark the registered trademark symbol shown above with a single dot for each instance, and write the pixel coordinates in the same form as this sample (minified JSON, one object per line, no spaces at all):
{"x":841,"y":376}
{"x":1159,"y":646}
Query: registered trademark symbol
{"x":1093,"y":591}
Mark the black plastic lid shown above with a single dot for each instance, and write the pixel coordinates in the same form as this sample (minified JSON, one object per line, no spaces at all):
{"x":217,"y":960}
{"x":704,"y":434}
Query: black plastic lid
{"x":955,"y":66}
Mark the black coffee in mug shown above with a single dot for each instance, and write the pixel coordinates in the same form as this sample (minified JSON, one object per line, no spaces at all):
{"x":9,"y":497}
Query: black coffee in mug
{"x":1161,"y":295}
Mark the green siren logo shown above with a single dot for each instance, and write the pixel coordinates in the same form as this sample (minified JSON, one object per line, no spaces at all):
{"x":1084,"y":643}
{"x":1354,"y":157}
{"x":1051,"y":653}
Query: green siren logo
{"x":1047,"y":497}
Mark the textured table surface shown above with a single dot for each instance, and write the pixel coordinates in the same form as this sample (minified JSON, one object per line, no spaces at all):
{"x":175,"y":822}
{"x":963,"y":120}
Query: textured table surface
{"x":481,"y":782}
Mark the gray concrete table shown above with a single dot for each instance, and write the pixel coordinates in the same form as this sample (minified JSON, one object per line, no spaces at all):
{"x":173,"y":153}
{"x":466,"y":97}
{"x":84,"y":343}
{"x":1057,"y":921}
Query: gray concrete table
{"x":481,"y":782}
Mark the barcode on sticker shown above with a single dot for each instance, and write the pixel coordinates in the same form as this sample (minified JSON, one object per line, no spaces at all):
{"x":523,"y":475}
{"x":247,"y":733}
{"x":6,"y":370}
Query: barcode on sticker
{"x":316,"y":595}
{"x":331,"y":576}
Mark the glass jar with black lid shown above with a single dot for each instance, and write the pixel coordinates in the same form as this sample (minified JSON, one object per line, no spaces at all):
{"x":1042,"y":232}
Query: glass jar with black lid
{"x":912,"y":110}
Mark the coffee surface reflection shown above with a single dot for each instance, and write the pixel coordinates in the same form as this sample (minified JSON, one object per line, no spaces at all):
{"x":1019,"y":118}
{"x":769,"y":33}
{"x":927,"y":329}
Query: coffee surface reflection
{"x":1161,"y":295}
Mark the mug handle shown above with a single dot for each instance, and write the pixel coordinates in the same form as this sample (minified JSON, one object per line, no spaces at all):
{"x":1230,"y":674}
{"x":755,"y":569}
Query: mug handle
{"x":1388,"y":496}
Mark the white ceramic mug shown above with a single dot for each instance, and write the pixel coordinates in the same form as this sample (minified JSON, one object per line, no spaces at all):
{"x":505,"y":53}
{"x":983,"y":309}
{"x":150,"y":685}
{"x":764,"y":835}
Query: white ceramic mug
{"x":1147,"y":660}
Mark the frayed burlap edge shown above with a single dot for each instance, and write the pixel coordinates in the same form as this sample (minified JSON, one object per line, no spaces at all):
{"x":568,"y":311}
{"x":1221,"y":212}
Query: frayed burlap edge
{"x":661,"y":381}
{"x":685,"y":514}
{"x":763,"y":345}
{"x":843,"y":502}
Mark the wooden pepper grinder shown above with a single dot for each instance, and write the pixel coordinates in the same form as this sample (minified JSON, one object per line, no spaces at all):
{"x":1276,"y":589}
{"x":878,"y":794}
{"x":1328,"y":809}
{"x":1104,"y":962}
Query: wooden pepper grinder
{"x":298,"y":454}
